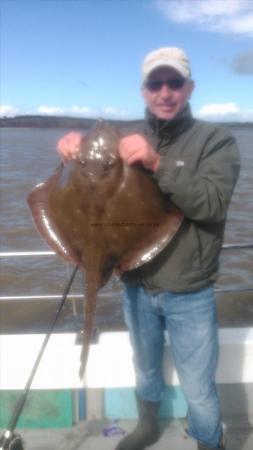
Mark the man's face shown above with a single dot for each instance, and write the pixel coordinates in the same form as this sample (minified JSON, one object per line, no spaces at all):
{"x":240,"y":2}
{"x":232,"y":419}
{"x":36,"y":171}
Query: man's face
{"x":166,"y":103}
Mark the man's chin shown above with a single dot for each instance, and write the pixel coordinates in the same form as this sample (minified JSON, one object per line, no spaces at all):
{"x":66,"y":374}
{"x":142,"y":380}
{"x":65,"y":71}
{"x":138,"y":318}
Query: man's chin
{"x":166,"y":113}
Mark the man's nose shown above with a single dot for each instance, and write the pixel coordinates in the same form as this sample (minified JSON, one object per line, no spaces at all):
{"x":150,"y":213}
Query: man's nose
{"x":165,"y":91}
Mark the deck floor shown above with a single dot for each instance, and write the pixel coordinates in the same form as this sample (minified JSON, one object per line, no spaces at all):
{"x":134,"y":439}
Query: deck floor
{"x":88,"y":435}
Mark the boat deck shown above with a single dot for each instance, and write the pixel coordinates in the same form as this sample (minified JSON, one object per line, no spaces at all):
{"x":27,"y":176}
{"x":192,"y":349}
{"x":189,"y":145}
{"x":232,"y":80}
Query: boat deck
{"x":88,"y":435}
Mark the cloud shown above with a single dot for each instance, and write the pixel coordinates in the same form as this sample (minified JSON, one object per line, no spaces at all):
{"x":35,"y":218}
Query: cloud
{"x":219,"y":109}
{"x":82,"y":110}
{"x":220,"y":16}
{"x":8,"y":110}
{"x":109,"y":110}
{"x":243,"y":63}
{"x":114,"y":113}
{"x":225,"y":112}
{"x":50,"y":110}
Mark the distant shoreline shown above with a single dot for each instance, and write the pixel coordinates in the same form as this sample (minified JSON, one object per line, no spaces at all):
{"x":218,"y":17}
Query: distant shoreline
{"x":32,"y":121}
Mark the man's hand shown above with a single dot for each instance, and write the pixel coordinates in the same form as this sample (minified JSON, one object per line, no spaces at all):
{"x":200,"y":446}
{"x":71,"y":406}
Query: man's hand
{"x":135,"y":148}
{"x":69,"y":145}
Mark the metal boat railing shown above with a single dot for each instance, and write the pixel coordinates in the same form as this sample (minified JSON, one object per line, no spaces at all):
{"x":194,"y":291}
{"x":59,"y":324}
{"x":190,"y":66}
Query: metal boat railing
{"x":51,"y":253}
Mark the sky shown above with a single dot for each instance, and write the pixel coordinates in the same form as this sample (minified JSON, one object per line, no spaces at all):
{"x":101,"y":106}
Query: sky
{"x":83,"y":57}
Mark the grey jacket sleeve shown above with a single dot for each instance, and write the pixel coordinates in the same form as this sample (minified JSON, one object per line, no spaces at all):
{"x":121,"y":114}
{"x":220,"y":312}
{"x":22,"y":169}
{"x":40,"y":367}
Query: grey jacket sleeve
{"x":203,"y":190}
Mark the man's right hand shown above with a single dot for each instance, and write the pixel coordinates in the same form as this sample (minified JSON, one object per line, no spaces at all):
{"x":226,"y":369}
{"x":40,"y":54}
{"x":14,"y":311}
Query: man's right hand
{"x":69,"y":145}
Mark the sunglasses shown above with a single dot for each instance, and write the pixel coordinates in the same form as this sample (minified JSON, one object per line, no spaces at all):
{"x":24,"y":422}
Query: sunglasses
{"x":156,"y":85}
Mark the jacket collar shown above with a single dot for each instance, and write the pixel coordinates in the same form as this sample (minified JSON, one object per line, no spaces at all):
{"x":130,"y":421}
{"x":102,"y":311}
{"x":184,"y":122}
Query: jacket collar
{"x":168,"y":129}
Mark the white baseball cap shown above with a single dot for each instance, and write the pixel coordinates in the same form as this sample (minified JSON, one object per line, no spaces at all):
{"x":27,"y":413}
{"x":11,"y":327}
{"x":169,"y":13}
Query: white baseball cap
{"x":166,"y":56}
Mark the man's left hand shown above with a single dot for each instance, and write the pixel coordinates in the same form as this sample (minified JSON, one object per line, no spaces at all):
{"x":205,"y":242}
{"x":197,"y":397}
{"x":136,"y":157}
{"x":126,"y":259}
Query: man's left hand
{"x":134,"y":148}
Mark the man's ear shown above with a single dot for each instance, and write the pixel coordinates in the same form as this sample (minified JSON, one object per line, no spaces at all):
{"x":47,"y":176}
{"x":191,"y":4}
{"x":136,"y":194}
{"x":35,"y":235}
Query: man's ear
{"x":191,"y":87}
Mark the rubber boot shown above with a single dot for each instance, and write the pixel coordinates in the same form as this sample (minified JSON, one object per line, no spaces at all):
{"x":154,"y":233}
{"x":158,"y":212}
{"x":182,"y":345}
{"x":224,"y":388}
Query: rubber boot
{"x":203,"y":447}
{"x":147,"y":430}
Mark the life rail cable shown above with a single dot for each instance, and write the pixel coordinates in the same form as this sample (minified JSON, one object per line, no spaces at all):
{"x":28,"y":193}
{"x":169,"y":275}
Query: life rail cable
{"x":76,"y":296}
{"x":51,"y":253}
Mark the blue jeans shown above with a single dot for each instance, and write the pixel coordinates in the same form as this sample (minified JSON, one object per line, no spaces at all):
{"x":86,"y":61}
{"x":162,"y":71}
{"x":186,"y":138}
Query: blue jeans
{"x":190,"y":319}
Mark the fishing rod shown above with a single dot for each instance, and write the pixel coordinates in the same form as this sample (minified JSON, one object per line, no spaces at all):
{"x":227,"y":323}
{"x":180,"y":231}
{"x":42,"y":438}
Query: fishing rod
{"x":10,"y":440}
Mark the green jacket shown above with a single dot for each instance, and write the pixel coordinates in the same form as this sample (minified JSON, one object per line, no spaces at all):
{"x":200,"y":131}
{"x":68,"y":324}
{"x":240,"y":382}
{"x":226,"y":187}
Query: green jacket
{"x":198,"y":171}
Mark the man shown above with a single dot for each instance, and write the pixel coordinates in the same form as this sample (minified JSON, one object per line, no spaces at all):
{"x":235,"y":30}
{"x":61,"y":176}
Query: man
{"x":196,"y":165}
